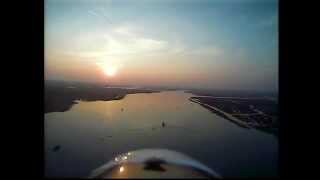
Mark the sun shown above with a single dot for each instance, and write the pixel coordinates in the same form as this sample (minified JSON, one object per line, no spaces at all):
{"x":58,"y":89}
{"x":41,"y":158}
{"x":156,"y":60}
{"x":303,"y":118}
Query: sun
{"x":110,"y":70}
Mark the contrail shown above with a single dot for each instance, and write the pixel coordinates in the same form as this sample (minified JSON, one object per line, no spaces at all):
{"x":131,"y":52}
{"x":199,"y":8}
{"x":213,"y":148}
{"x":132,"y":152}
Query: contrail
{"x":106,"y":18}
{"x":100,"y":16}
{"x":94,"y":13}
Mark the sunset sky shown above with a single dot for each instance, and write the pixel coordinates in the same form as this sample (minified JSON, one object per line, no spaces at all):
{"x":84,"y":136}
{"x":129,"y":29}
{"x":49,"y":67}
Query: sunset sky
{"x":217,"y":44}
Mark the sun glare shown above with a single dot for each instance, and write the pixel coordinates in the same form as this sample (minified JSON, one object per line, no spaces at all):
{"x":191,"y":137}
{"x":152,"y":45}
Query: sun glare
{"x":121,"y":169}
{"x":108,"y":69}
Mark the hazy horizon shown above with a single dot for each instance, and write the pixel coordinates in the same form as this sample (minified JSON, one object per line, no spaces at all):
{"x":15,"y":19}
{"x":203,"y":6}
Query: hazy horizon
{"x":195,"y":44}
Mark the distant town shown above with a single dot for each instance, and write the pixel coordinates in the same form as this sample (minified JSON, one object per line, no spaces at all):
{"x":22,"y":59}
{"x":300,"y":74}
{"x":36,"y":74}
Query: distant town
{"x":251,"y":112}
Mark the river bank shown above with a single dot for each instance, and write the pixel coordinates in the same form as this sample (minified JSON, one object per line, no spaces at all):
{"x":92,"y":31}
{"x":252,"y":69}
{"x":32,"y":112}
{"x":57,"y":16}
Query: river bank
{"x":249,"y":113}
{"x":60,"y":98}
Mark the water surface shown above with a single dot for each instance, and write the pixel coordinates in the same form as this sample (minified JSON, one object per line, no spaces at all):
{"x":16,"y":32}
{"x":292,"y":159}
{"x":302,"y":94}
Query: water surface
{"x":91,"y":133}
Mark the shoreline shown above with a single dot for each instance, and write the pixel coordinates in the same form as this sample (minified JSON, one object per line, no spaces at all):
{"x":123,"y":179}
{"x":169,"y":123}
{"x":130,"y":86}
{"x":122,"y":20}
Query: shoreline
{"x":220,"y":113}
{"x":62,"y":101}
{"x":74,"y":102}
{"x":241,"y":118}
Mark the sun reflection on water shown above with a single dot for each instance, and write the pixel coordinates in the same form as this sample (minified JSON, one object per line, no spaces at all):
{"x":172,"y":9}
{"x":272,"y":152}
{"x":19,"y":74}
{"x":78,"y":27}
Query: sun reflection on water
{"x":121,"y":169}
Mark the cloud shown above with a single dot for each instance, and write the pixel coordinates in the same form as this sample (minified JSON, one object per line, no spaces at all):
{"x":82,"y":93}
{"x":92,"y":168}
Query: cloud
{"x":128,"y":46}
{"x":102,"y":16}
{"x":119,"y":41}
{"x":93,"y":13}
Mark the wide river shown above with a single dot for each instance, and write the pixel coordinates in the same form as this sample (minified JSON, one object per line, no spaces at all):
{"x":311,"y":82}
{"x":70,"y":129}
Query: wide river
{"x":91,"y":133}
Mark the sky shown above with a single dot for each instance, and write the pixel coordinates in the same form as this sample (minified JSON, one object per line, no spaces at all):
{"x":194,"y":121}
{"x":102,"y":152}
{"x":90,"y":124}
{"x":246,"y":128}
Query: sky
{"x":216,"y":44}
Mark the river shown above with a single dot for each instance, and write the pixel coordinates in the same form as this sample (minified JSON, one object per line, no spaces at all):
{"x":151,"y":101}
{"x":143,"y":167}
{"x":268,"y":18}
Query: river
{"x":91,"y":133}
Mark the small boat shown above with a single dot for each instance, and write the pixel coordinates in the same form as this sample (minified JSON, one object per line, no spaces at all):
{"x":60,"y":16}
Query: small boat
{"x":56,"y":148}
{"x":163,"y":124}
